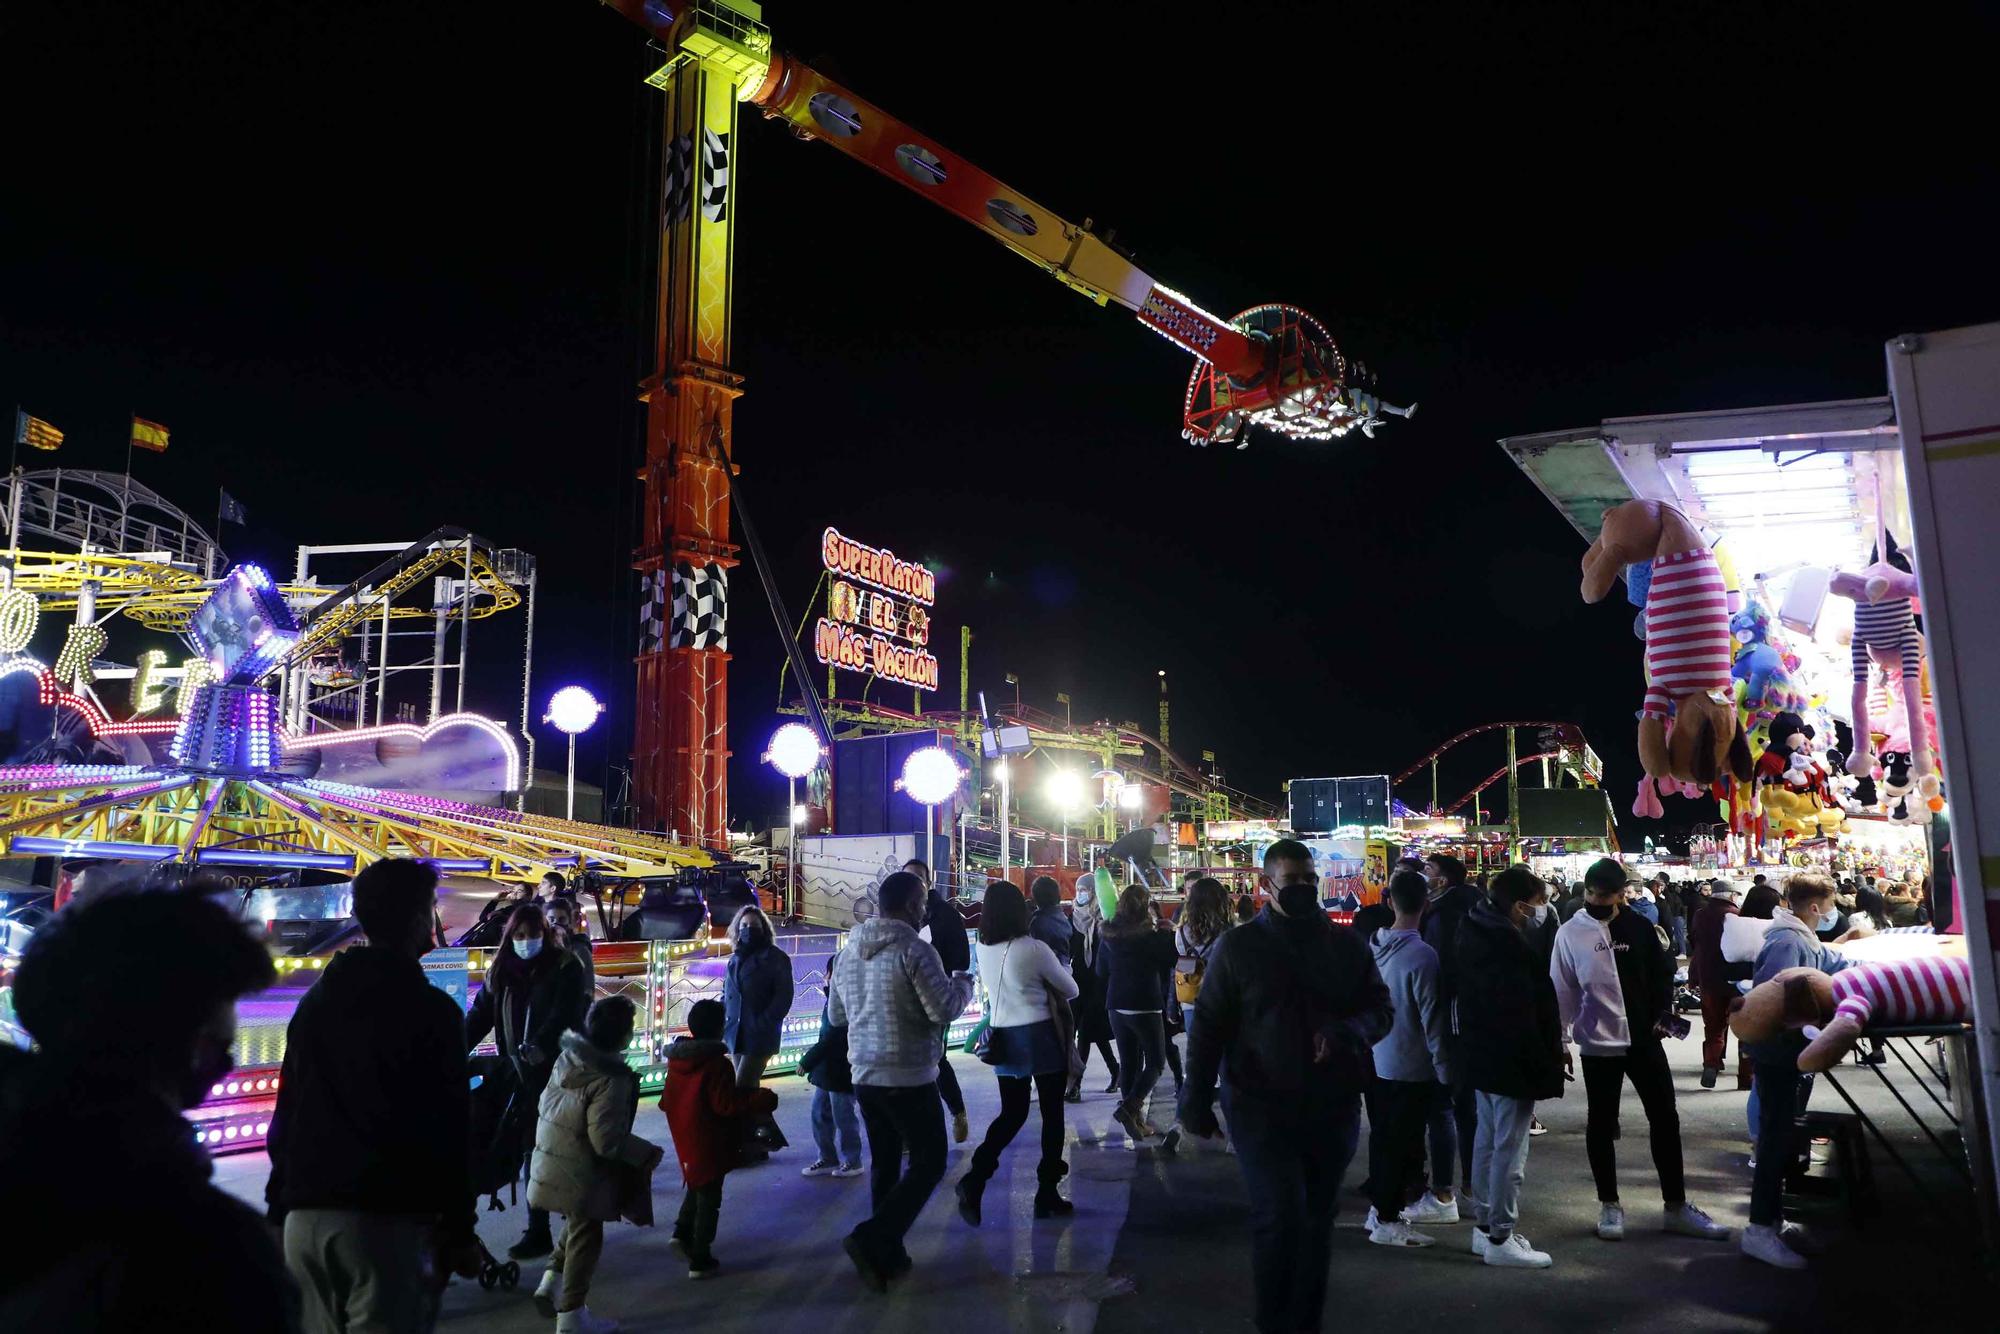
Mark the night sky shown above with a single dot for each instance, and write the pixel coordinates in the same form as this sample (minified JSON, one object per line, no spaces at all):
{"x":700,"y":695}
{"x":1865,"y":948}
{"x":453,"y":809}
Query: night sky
{"x":378,"y":265}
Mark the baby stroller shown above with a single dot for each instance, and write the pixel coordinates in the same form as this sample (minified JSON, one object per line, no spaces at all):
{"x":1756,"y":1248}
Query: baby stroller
{"x":496,"y":1153}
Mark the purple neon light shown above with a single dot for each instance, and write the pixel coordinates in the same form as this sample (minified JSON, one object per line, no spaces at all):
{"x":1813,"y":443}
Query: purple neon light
{"x":35,"y":845}
{"x":325,"y":861}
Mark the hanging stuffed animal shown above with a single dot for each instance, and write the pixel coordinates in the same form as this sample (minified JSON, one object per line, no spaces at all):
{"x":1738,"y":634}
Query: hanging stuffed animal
{"x":1885,"y":632}
{"x":1687,"y":648}
{"x":1835,"y":1010}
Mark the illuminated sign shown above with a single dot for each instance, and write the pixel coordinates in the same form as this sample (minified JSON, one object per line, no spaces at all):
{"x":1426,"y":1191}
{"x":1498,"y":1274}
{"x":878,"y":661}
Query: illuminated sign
{"x":878,"y":616}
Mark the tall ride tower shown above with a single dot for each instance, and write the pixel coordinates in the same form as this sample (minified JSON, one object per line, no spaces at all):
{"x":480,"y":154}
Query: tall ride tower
{"x":719,"y":51}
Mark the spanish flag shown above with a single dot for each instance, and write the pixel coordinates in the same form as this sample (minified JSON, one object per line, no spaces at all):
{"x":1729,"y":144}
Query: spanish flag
{"x":34,"y":432}
{"x":149,"y":435}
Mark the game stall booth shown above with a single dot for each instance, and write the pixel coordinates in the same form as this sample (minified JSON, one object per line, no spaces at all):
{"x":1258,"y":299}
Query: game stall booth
{"x":1810,"y":583}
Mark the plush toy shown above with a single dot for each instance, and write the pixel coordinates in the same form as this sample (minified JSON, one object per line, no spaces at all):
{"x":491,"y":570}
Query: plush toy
{"x":1687,"y":648}
{"x":1763,"y":666}
{"x":1834,"y":1010}
{"x":1885,"y":632}
{"x":1900,"y":799}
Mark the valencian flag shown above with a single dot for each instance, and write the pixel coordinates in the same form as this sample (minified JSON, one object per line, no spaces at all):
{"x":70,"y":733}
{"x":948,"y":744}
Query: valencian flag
{"x":149,"y":435}
{"x":34,"y":432}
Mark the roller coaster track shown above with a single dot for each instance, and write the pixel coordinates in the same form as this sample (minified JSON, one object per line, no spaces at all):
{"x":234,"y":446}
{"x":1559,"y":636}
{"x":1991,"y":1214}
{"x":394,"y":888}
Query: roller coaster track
{"x":1568,"y":733}
{"x":163,"y":597}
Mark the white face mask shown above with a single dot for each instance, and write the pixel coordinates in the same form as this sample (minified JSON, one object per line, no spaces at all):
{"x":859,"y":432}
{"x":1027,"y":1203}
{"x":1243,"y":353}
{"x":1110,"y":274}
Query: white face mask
{"x":527,"y":946}
{"x":1540,"y":913}
{"x":1828,"y":919}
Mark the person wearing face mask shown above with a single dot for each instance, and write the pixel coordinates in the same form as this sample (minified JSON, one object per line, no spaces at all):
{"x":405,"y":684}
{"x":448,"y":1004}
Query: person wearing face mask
{"x":1510,"y":1040}
{"x":116,"y":1225}
{"x":567,"y":928}
{"x":757,"y":994}
{"x":1540,"y":929}
{"x":1615,"y":989}
{"x":1454,"y":1123}
{"x":1792,"y":942}
{"x":1290,"y":1009}
{"x":533,"y":994}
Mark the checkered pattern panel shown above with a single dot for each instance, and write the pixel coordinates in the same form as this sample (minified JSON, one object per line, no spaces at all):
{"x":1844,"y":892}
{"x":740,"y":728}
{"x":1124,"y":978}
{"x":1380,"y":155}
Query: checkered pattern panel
{"x":652,"y":611}
{"x":700,"y":614}
{"x":678,"y":186}
{"x":714,"y":175}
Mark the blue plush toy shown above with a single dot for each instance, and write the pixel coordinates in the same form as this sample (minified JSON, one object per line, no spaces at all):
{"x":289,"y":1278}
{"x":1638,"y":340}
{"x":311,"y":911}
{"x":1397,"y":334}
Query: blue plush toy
{"x":1759,"y":665}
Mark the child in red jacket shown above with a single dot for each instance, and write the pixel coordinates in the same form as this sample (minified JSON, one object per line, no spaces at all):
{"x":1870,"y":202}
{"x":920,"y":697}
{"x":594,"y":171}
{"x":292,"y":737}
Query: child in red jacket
{"x":709,"y":1116}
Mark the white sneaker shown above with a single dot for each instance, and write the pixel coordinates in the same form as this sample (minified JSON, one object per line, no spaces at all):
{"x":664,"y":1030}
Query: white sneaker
{"x":1516,"y":1253}
{"x":1764,"y":1243}
{"x":546,"y":1290}
{"x":1689,"y":1221}
{"x":1395,"y":1234}
{"x":846,"y":1170}
{"x":1611,"y":1222}
{"x":1431,"y":1209}
{"x":818,"y":1167}
{"x":1481,"y":1243}
{"x":581,"y":1321}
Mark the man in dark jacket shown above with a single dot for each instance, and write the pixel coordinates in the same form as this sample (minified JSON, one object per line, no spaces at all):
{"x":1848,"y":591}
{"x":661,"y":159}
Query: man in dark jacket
{"x":1451,"y":899}
{"x":1710,"y":973}
{"x":1049,"y":925}
{"x":945,"y":922}
{"x":115,"y":1226}
{"x":1291,"y":1007}
{"x":369,"y":1153}
{"x":1510,"y":1040}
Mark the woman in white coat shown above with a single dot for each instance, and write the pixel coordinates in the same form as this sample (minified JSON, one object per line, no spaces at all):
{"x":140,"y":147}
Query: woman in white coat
{"x":1024,"y":982}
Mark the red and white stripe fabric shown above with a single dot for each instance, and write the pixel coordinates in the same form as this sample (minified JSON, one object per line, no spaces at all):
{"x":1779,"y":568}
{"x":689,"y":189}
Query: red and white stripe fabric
{"x":1688,"y":648}
{"x":1932,"y":990}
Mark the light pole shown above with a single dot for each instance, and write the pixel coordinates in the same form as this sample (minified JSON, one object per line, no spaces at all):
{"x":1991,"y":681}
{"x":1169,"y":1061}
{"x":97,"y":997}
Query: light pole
{"x":1065,"y":794}
{"x":1006,"y":798}
{"x":1131,"y":797}
{"x":930,"y":776}
{"x":794,"y":752}
{"x":574,"y":711}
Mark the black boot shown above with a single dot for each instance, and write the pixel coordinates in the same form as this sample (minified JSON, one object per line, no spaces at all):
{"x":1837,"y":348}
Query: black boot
{"x":1049,"y":1202}
{"x":971,"y":1187}
{"x":534,"y":1243}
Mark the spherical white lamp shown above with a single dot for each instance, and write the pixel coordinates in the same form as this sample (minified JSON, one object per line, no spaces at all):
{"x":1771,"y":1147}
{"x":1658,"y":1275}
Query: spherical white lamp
{"x":930,"y":775}
{"x":794,"y":750}
{"x":573,"y":710}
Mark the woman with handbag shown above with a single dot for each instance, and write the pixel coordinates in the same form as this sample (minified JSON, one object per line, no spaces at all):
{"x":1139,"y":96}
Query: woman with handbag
{"x":533,"y":994}
{"x":1203,"y":919}
{"x":1026,"y":986}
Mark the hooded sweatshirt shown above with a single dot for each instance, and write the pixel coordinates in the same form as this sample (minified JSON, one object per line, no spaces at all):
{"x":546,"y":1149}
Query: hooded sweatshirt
{"x":896,"y":1000}
{"x":1790,"y":943}
{"x":1612,"y":980}
{"x":1413,"y":1049}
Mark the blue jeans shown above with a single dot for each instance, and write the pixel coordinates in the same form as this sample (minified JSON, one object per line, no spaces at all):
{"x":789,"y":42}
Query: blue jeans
{"x":1293,"y":1149}
{"x":836,"y":1113}
{"x":1804,"y":1097}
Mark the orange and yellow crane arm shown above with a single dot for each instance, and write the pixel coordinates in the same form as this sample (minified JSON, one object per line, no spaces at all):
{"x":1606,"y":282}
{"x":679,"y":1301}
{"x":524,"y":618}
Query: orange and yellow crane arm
{"x":817,"y":107}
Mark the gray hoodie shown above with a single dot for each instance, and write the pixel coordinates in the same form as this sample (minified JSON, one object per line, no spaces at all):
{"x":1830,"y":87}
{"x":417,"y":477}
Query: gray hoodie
{"x":896,"y":1000}
{"x":1413,"y":1050}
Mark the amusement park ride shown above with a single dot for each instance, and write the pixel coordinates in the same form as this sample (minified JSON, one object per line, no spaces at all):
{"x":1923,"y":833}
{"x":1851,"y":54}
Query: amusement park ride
{"x":1272,"y":366}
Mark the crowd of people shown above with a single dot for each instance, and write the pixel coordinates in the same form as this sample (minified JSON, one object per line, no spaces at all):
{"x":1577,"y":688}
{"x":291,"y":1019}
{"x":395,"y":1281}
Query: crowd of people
{"x":1442,"y":1015}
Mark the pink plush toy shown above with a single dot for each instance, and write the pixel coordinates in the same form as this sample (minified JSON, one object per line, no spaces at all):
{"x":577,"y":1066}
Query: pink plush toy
{"x":1688,"y":648}
{"x":1934,"y":989}
{"x":1885,"y":630}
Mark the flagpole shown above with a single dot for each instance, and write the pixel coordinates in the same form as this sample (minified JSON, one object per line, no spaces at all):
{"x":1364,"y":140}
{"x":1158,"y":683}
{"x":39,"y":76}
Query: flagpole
{"x":125,"y":511}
